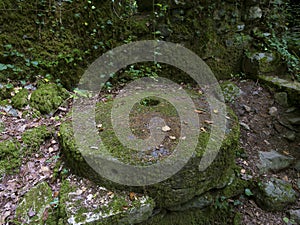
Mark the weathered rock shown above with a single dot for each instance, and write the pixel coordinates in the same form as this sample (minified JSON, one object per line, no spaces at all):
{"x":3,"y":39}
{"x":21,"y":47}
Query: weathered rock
{"x":295,"y":215}
{"x":10,"y":110}
{"x":275,"y":195}
{"x":20,"y":99}
{"x":273,"y":111}
{"x":260,"y":63}
{"x":297,"y":165}
{"x":35,"y":204}
{"x":292,"y":88}
{"x":273,"y":161}
{"x":281,"y":98}
{"x":47,"y":98}
{"x":294,"y":120}
{"x":290,"y":135}
{"x":178,"y":189}
{"x":199,"y":202}
{"x":115,"y":210}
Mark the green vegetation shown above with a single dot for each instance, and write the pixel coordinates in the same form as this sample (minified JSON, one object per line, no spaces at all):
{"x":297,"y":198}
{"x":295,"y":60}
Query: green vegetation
{"x":33,"y":138}
{"x":10,"y":156}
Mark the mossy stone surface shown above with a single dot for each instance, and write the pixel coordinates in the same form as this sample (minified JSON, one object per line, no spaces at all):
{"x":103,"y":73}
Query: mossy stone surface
{"x":34,"y":137}
{"x":275,"y":194}
{"x":115,"y":211}
{"x":178,"y":189}
{"x":20,"y":99}
{"x":48,"y":97}
{"x":33,"y":205}
{"x":10,"y":156}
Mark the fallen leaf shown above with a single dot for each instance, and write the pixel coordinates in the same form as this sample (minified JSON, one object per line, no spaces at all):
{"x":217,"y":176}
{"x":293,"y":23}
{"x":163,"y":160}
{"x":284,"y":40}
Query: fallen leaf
{"x":285,"y":178}
{"x":286,"y":152}
{"x":132,"y":196}
{"x":208,"y":121}
{"x":166,"y":128}
{"x":199,"y":111}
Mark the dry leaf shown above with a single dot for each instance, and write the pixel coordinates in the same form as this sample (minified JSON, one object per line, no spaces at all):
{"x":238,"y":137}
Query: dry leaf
{"x":166,"y":128}
{"x":198,"y":111}
{"x":208,"y":121}
{"x":286,"y":152}
{"x":132,"y":196}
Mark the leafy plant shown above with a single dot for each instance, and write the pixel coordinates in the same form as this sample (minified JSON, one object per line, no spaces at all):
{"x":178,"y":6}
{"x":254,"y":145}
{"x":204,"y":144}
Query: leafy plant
{"x":248,"y":192}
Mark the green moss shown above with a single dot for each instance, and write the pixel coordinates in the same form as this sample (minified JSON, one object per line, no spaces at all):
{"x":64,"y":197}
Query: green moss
{"x":230,"y":91}
{"x":20,"y":99}
{"x":47,"y":98}
{"x":36,"y":200}
{"x":34,"y":137}
{"x":10,"y":156}
{"x":207,"y":216}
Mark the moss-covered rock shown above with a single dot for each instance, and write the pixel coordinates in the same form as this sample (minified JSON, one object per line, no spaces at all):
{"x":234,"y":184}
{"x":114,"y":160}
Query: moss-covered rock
{"x":275,"y":194}
{"x":34,"y":207}
{"x":230,"y":91}
{"x":209,"y":215}
{"x":34,"y":137}
{"x":10,"y":156}
{"x":48,"y":97}
{"x":20,"y":99}
{"x":178,"y":189}
{"x":114,"y":209}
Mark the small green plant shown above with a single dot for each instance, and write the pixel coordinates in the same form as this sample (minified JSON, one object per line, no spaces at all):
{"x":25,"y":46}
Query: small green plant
{"x":288,"y":221}
{"x":248,"y":192}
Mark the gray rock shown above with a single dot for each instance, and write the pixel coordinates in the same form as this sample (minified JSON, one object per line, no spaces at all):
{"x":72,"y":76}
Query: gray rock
{"x":297,"y":165}
{"x":255,"y":13}
{"x":10,"y":110}
{"x":198,"y":202}
{"x":294,"y":120}
{"x":273,"y":111}
{"x":295,"y":215}
{"x":281,"y":98}
{"x":290,"y":135}
{"x":275,"y":195}
{"x":109,"y":211}
{"x":273,"y":161}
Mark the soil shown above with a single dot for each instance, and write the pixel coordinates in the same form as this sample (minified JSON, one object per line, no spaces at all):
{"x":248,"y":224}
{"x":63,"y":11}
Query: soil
{"x":265,"y":133}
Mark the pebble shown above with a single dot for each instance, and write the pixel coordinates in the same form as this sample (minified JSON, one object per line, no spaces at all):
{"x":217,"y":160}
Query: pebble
{"x":247,"y":108}
{"x":246,"y":126}
{"x":273,"y":111}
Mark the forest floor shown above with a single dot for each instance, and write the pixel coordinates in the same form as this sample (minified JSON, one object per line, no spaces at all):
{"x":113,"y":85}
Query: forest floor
{"x":260,"y":132}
